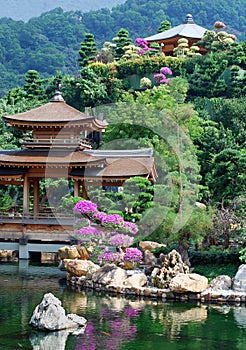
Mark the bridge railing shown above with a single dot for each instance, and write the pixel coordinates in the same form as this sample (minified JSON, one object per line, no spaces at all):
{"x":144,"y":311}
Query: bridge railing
{"x":46,"y":218}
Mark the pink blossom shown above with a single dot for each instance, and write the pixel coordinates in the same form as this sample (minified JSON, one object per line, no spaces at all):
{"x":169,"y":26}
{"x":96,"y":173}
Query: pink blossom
{"x":85,"y":207}
{"x":166,"y":71}
{"x":120,"y":240}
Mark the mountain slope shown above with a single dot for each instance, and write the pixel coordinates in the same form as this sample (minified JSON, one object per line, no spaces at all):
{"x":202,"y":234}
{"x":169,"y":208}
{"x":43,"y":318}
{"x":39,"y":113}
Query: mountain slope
{"x":26,"y":9}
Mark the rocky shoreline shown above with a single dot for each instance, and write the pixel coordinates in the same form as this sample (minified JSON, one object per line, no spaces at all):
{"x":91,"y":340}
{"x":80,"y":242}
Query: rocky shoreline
{"x":208,"y":296}
{"x":166,"y":278}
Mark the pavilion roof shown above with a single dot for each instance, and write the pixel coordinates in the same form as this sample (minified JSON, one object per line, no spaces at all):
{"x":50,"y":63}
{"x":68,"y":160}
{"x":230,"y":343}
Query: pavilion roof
{"x":55,"y":112}
{"x":186,"y":30}
{"x":89,"y":164}
{"x":27,"y":158}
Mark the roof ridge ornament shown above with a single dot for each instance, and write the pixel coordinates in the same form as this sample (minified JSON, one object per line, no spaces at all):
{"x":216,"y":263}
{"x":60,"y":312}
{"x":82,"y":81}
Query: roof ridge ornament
{"x":189,"y":19}
{"x":57,"y":97}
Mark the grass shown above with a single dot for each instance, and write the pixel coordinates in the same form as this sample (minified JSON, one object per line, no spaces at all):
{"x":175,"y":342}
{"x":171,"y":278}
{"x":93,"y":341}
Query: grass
{"x":213,"y":270}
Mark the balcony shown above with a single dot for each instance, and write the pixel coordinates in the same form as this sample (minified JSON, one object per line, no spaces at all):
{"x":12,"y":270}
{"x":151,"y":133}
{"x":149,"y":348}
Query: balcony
{"x":55,"y":142}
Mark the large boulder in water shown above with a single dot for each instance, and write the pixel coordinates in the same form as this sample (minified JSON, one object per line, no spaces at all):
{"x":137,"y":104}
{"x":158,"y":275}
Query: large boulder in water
{"x":49,"y":315}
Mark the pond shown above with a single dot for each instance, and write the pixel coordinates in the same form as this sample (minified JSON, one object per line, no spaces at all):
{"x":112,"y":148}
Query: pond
{"x":114,"y":323}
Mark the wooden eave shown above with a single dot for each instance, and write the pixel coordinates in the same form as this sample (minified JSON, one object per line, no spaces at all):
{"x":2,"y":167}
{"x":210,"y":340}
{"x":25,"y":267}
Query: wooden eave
{"x":53,"y":114}
{"x":26,"y":158}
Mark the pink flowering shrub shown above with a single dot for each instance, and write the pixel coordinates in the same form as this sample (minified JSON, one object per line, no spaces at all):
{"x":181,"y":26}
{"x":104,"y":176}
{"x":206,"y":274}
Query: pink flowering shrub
{"x":219,"y":25}
{"x":133,"y":254}
{"x":161,"y":77}
{"x":110,"y":257}
{"x":85,"y":208}
{"x":102,"y":228}
{"x":120,"y":240}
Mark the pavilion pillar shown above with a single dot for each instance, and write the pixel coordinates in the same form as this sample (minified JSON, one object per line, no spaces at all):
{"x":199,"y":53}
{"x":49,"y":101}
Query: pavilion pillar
{"x":76,"y":188}
{"x":26,"y":192}
{"x":36,"y":197}
{"x":84,"y":191}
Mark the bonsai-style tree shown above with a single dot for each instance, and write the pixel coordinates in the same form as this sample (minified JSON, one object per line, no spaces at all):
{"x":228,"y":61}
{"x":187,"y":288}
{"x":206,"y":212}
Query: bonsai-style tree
{"x":88,"y":50}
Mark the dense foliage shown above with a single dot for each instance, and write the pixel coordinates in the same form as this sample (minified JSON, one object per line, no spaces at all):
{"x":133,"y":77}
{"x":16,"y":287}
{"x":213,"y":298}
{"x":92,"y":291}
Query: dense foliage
{"x":189,"y":109}
{"x":51,"y":42}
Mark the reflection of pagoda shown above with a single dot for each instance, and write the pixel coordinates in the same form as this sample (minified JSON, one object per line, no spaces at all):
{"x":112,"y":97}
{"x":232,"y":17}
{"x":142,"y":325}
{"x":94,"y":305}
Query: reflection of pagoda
{"x":168,"y":40}
{"x":59,"y":148}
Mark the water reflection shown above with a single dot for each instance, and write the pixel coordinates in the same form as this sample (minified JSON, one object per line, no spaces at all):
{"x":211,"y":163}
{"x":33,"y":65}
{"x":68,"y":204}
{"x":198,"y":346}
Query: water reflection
{"x":114,"y":323}
{"x":240,"y":316}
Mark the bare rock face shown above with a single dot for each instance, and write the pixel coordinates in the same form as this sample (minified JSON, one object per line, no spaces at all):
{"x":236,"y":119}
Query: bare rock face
{"x":73,"y":252}
{"x":172,"y":265}
{"x":149,"y":258}
{"x":136,"y":281}
{"x":79,"y":267}
{"x":49,"y":315}
{"x":239,"y":281}
{"x":222,"y":282}
{"x":191,"y":282}
{"x":150,"y":245}
{"x":109,"y":274}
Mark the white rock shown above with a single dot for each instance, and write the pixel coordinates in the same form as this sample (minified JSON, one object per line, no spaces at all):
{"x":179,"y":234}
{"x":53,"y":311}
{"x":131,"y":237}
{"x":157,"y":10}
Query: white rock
{"x":49,"y":315}
{"x":239,"y":281}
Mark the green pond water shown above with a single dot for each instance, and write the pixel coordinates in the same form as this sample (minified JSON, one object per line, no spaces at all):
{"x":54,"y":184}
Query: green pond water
{"x":114,"y":323}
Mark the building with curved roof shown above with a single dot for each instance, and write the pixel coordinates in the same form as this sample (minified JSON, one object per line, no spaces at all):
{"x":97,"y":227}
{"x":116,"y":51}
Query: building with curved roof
{"x":168,"y":40}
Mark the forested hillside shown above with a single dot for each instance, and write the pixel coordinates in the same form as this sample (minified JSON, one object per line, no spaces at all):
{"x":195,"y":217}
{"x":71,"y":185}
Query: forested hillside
{"x":26,"y":9}
{"x":190,"y":109}
{"x":52,"y":41}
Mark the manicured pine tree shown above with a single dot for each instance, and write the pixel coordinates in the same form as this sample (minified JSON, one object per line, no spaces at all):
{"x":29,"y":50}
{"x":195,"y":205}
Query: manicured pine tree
{"x":122,"y":39}
{"x":88,"y":50}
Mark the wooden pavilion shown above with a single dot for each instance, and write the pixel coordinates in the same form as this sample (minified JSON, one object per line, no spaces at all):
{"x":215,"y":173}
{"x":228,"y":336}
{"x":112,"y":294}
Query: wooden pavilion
{"x":59,"y":148}
{"x":168,"y":40}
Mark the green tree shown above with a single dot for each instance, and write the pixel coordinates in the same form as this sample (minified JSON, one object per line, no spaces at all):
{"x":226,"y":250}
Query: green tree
{"x":228,"y":176}
{"x":165,"y":25}
{"x":122,"y":39}
{"x":33,"y":86}
{"x":88,"y":50}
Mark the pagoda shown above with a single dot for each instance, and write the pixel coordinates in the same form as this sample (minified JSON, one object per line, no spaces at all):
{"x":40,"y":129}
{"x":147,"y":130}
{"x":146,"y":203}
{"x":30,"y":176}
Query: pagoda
{"x":59,"y":148}
{"x":168,"y":40}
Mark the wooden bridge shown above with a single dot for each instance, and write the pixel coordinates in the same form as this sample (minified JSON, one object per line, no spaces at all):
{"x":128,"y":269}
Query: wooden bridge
{"x":45,"y":232}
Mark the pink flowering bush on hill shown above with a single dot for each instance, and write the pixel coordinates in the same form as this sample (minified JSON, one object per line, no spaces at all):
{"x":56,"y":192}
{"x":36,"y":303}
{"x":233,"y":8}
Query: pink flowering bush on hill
{"x":161,"y":77}
{"x":219,"y":25}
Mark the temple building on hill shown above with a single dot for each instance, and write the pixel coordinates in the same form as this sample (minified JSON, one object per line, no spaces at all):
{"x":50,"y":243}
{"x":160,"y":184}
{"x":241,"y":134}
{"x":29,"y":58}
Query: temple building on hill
{"x":168,"y":40}
{"x":59,"y":148}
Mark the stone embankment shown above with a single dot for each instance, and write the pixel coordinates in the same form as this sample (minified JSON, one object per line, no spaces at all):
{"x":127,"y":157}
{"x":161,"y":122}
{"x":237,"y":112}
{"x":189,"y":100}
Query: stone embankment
{"x":166,"y":278}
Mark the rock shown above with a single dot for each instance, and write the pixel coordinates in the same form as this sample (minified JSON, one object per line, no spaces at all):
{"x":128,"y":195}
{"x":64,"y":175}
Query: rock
{"x":149,"y":245}
{"x":73,"y":252}
{"x":190,"y":282}
{"x":222,"y":282}
{"x":200,"y":205}
{"x":109,"y":274}
{"x":149,"y":258}
{"x":239,"y":281}
{"x":137,"y":280}
{"x":171,"y":266}
{"x":49,"y":315}
{"x":6,"y":254}
{"x":79,"y":267}
{"x":83,"y":253}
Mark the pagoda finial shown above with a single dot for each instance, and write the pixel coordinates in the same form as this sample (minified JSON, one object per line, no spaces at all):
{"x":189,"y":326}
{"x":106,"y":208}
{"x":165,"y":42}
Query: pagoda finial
{"x":57,"y":97}
{"x":189,"y":19}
